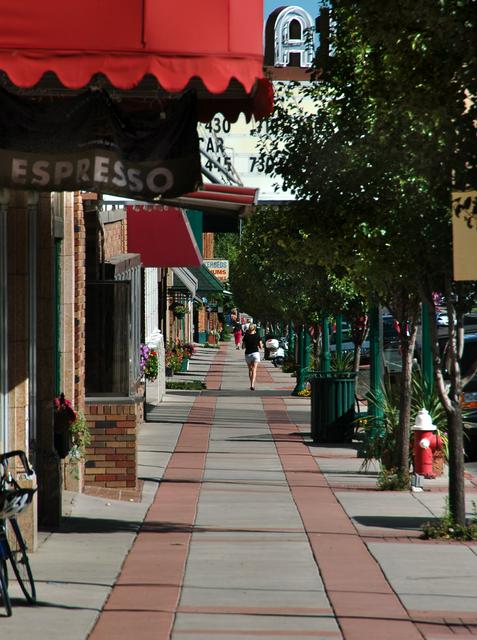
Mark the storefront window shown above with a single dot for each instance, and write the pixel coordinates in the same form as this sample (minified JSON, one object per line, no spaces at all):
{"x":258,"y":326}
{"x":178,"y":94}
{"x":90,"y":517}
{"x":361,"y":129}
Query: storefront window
{"x":108,"y":338}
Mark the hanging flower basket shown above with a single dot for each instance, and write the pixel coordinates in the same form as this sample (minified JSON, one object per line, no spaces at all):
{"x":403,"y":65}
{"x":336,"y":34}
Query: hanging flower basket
{"x":179,"y":310}
{"x":64,"y":417}
{"x":149,"y":363}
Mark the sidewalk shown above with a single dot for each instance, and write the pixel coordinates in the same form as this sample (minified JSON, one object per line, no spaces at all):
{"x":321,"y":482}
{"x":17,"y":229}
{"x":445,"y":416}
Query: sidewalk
{"x":247,"y":529}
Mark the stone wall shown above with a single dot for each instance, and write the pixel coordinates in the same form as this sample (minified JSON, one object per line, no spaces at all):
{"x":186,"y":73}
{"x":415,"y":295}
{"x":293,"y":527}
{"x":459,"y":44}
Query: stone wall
{"x":115,"y":238}
{"x":18,"y":331}
{"x":80,"y":301}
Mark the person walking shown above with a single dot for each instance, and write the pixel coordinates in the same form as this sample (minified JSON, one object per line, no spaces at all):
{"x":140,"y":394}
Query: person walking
{"x":252,"y":343}
{"x":237,"y":334}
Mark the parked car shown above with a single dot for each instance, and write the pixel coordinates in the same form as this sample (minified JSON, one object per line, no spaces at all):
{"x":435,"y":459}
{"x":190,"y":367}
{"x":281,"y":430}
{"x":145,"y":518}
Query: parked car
{"x":348,"y":346}
{"x":345,"y":332}
{"x":390,"y":335}
{"x":442,"y":319}
{"x":469,"y":396}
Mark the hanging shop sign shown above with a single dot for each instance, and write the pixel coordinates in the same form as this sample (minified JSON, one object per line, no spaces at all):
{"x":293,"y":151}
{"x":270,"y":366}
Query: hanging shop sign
{"x":220,"y":268}
{"x":88,"y":142}
{"x":464,"y":234}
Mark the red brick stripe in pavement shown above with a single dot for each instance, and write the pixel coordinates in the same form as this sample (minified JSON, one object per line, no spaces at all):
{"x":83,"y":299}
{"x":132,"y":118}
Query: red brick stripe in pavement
{"x":363,"y":601}
{"x":275,"y":634}
{"x":213,"y":379}
{"x":144,"y":600}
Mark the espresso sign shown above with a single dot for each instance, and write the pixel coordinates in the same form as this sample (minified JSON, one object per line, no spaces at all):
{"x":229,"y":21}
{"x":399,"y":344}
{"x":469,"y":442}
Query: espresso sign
{"x":88,"y":142}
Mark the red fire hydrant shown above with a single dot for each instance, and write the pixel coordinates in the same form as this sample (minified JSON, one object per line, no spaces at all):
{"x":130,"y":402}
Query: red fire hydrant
{"x":425,"y":443}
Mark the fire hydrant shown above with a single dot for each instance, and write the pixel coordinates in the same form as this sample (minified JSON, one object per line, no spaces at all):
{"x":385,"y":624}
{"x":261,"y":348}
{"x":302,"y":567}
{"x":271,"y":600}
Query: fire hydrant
{"x":425,"y":443}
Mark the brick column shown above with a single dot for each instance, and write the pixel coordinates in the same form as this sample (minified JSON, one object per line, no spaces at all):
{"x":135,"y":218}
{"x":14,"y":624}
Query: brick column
{"x":111,"y":459}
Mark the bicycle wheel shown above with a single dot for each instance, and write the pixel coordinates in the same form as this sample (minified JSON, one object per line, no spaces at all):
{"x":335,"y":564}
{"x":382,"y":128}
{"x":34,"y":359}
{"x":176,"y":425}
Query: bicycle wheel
{"x":4,"y":597}
{"x":21,"y":564}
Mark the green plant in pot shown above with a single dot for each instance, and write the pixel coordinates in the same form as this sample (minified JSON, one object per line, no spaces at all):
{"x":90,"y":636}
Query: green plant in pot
{"x":180,"y":310}
{"x":341,"y":361}
{"x":80,"y":436}
{"x":380,"y":434}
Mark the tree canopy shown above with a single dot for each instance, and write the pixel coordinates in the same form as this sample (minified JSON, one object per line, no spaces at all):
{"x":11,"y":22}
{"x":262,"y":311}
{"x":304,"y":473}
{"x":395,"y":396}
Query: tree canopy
{"x":374,"y":149}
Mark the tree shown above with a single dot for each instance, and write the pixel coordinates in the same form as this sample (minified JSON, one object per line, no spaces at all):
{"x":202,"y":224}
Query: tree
{"x":277,"y":276}
{"x":373,"y":150}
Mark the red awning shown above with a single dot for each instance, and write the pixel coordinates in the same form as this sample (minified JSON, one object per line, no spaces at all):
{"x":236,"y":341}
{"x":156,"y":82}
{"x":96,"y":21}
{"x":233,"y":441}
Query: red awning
{"x":218,"y":42}
{"x":221,"y":204}
{"x":218,"y":196}
{"x":163,"y":237}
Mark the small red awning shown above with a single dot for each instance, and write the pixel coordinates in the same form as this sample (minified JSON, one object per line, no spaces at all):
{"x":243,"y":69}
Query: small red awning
{"x":218,"y":196}
{"x":221,"y":204}
{"x":163,"y":237}
{"x":218,"y":42}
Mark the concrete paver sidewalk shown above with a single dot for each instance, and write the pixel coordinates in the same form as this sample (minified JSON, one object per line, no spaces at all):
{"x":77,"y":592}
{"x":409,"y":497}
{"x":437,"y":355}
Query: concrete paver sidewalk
{"x":246,"y":528}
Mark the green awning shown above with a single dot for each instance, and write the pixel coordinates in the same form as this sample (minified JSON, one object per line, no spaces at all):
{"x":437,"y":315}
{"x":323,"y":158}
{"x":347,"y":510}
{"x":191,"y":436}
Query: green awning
{"x":207,"y":282}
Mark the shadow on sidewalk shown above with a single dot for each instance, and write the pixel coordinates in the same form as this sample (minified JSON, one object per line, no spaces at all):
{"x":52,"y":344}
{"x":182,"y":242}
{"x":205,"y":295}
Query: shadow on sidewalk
{"x":351,"y":472}
{"x":267,"y":437}
{"x":76,"y":524}
{"x":239,"y":393}
{"x":394,"y":522}
{"x":179,"y":527}
{"x":42,"y":604}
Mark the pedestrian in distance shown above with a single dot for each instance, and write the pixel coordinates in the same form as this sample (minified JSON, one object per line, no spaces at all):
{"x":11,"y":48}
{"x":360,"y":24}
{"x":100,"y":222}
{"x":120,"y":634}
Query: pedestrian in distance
{"x":237,"y":330}
{"x":252,"y":343}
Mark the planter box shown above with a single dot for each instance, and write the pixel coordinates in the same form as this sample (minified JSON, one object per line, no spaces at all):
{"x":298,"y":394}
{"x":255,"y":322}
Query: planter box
{"x":62,"y":435}
{"x":169,"y":372}
{"x":179,"y":315}
{"x":185,"y":364}
{"x":73,"y":474}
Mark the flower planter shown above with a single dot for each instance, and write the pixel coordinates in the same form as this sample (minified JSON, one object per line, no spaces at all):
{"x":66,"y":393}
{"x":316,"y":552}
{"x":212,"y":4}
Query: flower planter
{"x":211,"y":339}
{"x":168,"y":372}
{"x":185,"y":364}
{"x":387,"y":459}
{"x":73,"y":474}
{"x":179,"y":315}
{"x":62,"y":435}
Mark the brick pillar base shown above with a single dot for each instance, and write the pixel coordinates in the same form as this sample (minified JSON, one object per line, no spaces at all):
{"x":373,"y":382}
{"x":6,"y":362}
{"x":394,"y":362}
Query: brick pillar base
{"x":111,"y":459}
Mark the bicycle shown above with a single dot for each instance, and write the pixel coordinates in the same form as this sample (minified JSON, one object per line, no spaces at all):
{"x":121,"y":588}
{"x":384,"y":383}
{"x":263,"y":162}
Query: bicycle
{"x":13,"y":500}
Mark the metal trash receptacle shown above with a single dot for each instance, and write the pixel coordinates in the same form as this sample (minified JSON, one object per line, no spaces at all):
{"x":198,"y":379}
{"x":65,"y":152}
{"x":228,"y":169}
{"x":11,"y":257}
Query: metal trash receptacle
{"x":332,"y":406}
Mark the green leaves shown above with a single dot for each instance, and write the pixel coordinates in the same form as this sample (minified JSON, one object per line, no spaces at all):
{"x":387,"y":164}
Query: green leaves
{"x":373,"y":149}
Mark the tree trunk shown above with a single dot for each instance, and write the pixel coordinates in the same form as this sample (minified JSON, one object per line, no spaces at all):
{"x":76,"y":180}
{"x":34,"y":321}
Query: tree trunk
{"x":405,"y":396}
{"x":450,"y":399}
{"x":359,"y":332}
{"x":456,"y":465}
{"x":317,"y":344}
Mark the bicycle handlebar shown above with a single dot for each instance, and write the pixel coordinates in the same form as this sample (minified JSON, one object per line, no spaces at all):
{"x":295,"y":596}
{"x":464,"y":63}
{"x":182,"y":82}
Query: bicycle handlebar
{"x":20,"y":454}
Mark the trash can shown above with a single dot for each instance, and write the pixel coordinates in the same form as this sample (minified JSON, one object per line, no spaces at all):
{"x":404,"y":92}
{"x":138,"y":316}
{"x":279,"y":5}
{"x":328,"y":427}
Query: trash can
{"x":332,"y":406}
